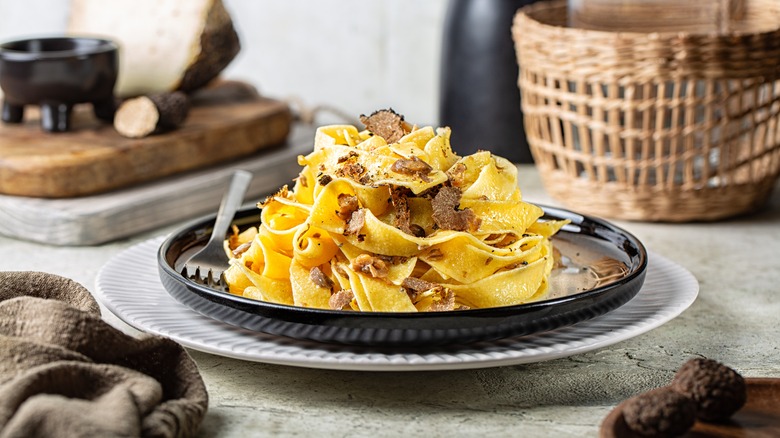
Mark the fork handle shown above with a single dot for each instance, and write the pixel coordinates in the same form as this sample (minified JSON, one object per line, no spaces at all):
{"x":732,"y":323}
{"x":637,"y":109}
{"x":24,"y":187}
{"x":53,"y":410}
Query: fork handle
{"x":230,"y":203}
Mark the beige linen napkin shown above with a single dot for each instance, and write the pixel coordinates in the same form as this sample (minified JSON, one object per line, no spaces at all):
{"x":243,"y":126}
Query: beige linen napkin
{"x":66,"y":373}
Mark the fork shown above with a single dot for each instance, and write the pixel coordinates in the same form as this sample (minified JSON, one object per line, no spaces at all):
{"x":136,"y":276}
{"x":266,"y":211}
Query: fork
{"x":207,"y":265}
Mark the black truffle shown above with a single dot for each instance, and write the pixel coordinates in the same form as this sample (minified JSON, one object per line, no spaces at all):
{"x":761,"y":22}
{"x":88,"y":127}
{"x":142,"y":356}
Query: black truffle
{"x":717,"y":390}
{"x":662,"y":412}
{"x":387,"y":124}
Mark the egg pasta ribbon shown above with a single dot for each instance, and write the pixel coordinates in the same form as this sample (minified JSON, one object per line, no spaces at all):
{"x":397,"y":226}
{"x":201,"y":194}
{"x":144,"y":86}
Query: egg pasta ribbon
{"x":400,"y":226}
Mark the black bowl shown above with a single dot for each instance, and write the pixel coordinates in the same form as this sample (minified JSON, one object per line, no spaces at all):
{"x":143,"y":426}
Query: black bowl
{"x":57,"y":73}
{"x":585,"y":238}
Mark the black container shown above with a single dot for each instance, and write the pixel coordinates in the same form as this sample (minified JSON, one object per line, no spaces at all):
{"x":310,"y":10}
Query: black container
{"x":480,"y":99}
{"x":57,"y":73}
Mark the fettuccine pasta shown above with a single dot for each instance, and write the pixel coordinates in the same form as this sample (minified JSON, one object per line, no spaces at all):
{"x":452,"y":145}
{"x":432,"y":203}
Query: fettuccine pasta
{"x":395,"y":222}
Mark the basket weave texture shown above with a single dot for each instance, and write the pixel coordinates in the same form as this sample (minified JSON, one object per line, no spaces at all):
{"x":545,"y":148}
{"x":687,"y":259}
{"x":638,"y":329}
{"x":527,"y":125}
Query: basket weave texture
{"x":671,"y":127}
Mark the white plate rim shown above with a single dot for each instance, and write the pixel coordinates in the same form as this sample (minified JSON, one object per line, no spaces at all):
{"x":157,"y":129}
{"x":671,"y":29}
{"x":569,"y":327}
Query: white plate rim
{"x":128,"y":282}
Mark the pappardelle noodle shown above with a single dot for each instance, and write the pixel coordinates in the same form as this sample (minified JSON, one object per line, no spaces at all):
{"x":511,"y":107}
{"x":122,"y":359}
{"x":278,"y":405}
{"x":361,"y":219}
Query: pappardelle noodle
{"x":395,"y":222}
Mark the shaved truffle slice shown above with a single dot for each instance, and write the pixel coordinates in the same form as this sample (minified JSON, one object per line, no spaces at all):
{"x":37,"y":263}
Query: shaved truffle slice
{"x":717,"y":390}
{"x":445,"y":301}
{"x":348,"y":204}
{"x":446,"y":214}
{"x":387,"y":124}
{"x":662,"y":412}
{"x":403,"y":215}
{"x":417,"y":285}
{"x":319,"y":278}
{"x":373,"y":266}
{"x":444,"y":297}
{"x":413,"y":166}
{"x":456,"y":174}
{"x":349,"y":167}
{"x":355,"y":223}
{"x":341,"y":299}
{"x":325,"y":180}
{"x":352,"y":170}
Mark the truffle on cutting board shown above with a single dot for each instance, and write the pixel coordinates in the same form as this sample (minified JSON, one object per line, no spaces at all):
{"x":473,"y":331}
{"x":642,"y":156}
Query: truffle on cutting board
{"x":145,"y":115}
{"x":165,"y":45}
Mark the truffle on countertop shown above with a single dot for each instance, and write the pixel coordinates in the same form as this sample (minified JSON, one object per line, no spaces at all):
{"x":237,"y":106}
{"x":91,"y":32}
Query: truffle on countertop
{"x":662,"y":412}
{"x":717,"y":390}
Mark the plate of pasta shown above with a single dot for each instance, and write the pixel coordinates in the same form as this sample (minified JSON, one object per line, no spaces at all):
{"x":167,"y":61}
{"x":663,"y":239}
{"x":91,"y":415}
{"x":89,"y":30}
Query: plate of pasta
{"x":388,"y":237}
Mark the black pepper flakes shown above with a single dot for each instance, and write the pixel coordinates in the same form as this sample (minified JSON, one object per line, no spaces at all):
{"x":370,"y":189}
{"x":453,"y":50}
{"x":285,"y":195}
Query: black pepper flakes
{"x":325,"y":180}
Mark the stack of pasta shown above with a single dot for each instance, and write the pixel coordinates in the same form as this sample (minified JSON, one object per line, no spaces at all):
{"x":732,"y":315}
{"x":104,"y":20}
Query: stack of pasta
{"x":390,"y":219}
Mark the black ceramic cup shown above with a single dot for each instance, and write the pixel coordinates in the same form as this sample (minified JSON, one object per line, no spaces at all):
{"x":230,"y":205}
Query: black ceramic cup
{"x":57,"y":73}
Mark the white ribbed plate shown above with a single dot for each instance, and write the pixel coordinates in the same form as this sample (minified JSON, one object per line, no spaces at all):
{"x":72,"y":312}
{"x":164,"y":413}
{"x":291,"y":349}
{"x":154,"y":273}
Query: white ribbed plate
{"x":129,"y":286}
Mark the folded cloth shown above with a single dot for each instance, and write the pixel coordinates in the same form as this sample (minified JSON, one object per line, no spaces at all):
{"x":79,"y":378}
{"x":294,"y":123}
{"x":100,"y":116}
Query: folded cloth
{"x":64,"y":372}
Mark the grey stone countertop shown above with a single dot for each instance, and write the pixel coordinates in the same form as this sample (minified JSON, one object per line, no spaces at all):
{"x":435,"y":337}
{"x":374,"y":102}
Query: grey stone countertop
{"x":735,"y":320}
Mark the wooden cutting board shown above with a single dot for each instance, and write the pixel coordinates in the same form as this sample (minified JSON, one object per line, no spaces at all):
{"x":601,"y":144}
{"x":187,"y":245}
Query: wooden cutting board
{"x":226,"y":122}
{"x":103,"y":217}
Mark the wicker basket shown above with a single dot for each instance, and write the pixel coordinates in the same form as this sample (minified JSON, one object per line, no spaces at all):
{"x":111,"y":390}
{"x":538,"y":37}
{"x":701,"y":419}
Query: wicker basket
{"x":652,"y":126}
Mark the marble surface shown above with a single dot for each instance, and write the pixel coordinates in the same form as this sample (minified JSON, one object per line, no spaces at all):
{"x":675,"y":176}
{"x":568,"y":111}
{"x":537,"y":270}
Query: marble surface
{"x":734,"y":320}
